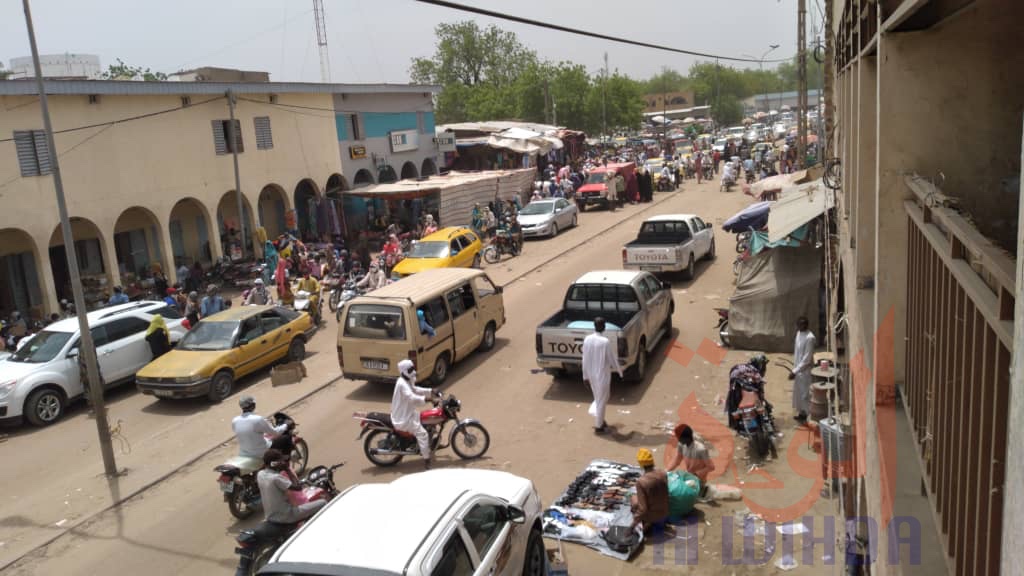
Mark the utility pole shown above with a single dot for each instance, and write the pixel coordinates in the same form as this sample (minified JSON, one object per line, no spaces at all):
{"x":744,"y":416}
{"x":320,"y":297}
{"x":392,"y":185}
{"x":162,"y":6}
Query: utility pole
{"x":320,"y":19}
{"x":718,"y":101}
{"x":233,"y":140}
{"x":664,"y":108}
{"x":604,"y":98}
{"x":86,"y":345}
{"x":801,"y":34}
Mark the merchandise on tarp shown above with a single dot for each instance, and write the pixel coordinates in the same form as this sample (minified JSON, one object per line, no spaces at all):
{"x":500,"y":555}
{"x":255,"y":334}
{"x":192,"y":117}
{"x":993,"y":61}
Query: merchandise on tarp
{"x":773,"y":289}
{"x":754,"y":216}
{"x":683,"y":490}
{"x":595,"y":510}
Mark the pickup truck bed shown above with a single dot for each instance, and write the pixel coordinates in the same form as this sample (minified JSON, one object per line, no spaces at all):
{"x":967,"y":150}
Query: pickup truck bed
{"x":563,"y":318}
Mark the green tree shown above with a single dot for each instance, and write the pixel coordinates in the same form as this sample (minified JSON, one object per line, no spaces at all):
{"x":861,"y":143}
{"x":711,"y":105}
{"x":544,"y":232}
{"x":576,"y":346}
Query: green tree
{"x":727,"y":110}
{"x":569,"y":86}
{"x":122,"y":71}
{"x":668,"y":80}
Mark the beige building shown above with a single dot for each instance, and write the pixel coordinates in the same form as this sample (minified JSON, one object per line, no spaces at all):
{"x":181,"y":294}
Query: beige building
{"x":148,"y":176}
{"x":928,"y":128}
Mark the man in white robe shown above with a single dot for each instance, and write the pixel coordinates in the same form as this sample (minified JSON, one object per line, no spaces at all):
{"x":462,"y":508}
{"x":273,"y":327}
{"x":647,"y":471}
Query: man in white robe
{"x":803,"y":359}
{"x":599,"y":359}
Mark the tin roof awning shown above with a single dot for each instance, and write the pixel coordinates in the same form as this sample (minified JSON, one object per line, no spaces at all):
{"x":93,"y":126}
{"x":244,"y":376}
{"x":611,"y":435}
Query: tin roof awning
{"x":796,"y":206}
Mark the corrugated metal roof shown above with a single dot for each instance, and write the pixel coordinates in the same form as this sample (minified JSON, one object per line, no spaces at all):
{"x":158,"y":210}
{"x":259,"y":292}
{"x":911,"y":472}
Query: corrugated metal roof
{"x":129,"y":87}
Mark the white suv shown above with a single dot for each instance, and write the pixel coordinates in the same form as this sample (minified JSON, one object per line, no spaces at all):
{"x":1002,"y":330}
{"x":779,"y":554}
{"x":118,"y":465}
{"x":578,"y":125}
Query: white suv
{"x":450,"y":522}
{"x":39,"y":380}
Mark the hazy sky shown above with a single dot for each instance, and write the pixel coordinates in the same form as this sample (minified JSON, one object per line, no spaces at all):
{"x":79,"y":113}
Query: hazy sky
{"x":374,"y":40}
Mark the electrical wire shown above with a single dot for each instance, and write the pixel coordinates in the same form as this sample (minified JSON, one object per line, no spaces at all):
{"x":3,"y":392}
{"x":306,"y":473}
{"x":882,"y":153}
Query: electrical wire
{"x":246,"y":39}
{"x":550,"y":26}
{"x":316,"y":108}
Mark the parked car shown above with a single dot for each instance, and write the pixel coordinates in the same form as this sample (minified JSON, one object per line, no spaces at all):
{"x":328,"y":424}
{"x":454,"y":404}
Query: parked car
{"x":636,"y":306}
{"x":547,"y":217}
{"x":670,"y":243}
{"x":224,"y":347}
{"x":39,"y":380}
{"x":595,"y":190}
{"x":441,"y":522}
{"x":447,"y":248}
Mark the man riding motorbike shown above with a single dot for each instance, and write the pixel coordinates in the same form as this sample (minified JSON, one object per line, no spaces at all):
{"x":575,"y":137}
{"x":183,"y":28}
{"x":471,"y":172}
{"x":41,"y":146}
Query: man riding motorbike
{"x":275,"y":480}
{"x":252,"y":430}
{"x":405,"y":401}
{"x":375,"y":279}
{"x":258,"y":295}
{"x":310,"y":284}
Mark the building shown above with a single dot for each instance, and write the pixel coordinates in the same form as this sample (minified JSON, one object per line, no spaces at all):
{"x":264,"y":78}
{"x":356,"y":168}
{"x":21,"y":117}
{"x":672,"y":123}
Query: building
{"x":148,"y":177}
{"x":211,"y":74}
{"x":658,"y":103}
{"x":68,"y":66}
{"x":930,"y":281}
{"x":776,"y":100}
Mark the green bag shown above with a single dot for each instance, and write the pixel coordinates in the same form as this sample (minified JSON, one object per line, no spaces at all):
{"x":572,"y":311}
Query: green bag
{"x":683,"y":490}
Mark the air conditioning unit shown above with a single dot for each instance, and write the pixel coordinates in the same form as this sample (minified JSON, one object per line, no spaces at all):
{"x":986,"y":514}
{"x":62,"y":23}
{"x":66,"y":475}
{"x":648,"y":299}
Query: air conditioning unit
{"x":837,"y":441}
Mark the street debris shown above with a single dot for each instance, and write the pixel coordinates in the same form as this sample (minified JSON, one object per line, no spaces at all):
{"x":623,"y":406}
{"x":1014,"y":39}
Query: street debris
{"x":792,"y":528}
{"x":786,"y":563}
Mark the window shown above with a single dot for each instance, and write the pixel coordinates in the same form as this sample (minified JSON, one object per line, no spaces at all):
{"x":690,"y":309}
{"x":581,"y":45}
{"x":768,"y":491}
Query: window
{"x":653,"y":286}
{"x":271,"y":321}
{"x":375,"y":321}
{"x":124,"y":328}
{"x":700,"y":224}
{"x":455,"y":303}
{"x":437,"y":314}
{"x":264,"y":137}
{"x":470,"y":237}
{"x":186,"y":101}
{"x":464,"y":242}
{"x":221,"y":129}
{"x":94,"y":98}
{"x":484,"y":286}
{"x":167,"y":312}
{"x":287,"y":313}
{"x":357,"y":128}
{"x":251,"y":330}
{"x":33,"y":152}
{"x":645,"y":290}
{"x":468,"y":300}
{"x":484,"y":523}
{"x":455,"y":246}
{"x":455,"y":559}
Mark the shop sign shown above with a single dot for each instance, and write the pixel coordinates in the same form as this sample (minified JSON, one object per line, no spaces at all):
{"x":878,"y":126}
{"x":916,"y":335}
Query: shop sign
{"x":404,"y":140}
{"x":445,"y":142}
{"x":357,"y":152}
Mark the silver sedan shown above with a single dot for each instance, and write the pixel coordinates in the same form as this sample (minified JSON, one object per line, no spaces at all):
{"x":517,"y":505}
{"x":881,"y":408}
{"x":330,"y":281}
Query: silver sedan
{"x":546,"y":217}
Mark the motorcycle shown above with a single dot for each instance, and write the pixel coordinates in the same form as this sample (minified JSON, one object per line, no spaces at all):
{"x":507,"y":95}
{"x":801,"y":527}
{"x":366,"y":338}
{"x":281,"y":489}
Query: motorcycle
{"x":333,"y":285}
{"x":304,"y":303}
{"x":256,"y":547}
{"x":502,"y":243}
{"x":237,"y":478}
{"x":347,"y":293}
{"x":750,"y":415}
{"x":723,"y":325}
{"x":385,"y":446}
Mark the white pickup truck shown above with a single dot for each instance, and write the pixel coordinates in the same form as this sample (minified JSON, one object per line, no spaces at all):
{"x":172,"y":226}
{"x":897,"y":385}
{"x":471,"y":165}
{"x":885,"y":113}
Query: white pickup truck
{"x":636,"y":306}
{"x":670,"y":243}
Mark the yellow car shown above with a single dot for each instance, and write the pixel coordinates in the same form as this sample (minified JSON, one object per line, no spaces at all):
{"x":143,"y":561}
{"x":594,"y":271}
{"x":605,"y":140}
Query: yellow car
{"x":454,"y":247}
{"x":224,"y":347}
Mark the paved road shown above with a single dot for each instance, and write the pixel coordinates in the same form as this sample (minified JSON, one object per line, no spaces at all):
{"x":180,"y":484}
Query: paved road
{"x":57,"y":518}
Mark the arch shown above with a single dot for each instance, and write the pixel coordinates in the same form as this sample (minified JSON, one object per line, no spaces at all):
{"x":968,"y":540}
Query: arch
{"x":386,"y":174}
{"x":409,"y":171}
{"x":678,"y":100}
{"x":137,"y":244}
{"x":189,"y":229}
{"x":363,"y":178}
{"x":429,"y":168}
{"x":229,"y":228}
{"x":272,"y":207}
{"x":336,"y":183}
{"x":306,"y":193}
{"x":20,"y":287}
{"x":91,"y":249}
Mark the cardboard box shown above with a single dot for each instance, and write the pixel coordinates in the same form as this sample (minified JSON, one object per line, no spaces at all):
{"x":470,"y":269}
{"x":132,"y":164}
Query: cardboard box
{"x":557,"y":565}
{"x":289,"y":373}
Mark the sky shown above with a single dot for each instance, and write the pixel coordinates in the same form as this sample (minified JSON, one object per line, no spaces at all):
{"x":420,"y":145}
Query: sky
{"x":373,"y":41}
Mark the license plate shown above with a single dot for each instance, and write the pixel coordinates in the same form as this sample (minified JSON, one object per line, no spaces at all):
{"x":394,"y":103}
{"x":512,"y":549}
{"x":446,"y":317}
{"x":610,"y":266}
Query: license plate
{"x":375,"y":364}
{"x":163,"y":393}
{"x":227,"y":487}
{"x":650,"y":267}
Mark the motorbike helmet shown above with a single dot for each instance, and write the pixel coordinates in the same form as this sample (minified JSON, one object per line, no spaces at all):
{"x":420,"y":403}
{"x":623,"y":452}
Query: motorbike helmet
{"x":407,"y":368}
{"x":247,"y":403}
{"x":760,"y":362}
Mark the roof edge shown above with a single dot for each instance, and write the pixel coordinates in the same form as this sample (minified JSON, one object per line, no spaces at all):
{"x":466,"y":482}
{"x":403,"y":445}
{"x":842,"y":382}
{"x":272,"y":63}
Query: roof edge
{"x":130,"y":87}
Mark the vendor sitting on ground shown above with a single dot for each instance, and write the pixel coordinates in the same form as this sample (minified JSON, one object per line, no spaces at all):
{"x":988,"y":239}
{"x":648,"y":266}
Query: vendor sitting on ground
{"x":650,"y":505}
{"x":693,"y":456}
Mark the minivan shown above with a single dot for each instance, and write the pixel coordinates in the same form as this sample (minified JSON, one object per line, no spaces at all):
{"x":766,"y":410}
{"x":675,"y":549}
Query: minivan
{"x":462,"y":306}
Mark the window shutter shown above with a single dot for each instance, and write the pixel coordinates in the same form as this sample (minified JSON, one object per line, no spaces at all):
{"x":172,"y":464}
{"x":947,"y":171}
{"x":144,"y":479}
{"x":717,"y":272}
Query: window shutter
{"x":238,"y":146}
{"x":42,"y":152}
{"x":25,"y":146}
{"x":264,"y":136}
{"x":220,"y":141}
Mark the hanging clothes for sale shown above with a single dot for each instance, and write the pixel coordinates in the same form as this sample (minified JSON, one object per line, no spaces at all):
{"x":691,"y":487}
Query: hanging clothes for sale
{"x":310,"y":227}
{"x":334,"y":227}
{"x":322,"y":218}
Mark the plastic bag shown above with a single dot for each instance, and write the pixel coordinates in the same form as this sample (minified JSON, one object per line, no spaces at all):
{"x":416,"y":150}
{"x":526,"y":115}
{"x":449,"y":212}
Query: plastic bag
{"x":683,"y":490}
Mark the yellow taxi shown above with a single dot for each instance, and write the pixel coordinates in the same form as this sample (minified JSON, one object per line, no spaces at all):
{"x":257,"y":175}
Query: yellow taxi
{"x":224,"y":347}
{"x":453,"y":247}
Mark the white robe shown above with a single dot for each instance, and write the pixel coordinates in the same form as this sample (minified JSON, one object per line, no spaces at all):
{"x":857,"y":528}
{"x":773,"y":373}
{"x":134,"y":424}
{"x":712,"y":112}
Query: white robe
{"x":599,"y":359}
{"x":803,"y":358}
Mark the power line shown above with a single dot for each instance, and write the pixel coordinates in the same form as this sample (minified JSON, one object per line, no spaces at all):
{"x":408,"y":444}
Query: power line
{"x":531,"y":22}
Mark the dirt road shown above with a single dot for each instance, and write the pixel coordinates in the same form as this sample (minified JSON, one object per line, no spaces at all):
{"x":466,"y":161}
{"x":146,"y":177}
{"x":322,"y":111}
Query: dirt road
{"x":56,"y":509}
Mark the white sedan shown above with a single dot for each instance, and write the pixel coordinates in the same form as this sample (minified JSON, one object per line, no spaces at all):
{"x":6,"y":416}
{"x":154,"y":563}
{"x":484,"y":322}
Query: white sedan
{"x":546,"y":217}
{"x":447,"y":521}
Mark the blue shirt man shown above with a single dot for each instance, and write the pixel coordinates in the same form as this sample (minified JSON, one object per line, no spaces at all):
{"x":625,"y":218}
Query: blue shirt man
{"x":425,"y":328}
{"x":119,"y":297}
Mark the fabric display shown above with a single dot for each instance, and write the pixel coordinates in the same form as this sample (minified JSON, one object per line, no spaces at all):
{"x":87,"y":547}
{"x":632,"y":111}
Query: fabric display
{"x":322,"y":218}
{"x":595,"y":510}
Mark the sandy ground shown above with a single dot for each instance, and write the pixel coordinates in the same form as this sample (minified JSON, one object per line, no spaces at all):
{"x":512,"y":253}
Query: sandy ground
{"x":58,"y":515}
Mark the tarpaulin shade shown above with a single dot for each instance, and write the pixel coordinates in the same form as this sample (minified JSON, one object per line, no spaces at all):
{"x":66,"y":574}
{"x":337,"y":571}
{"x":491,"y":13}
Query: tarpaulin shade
{"x":754,"y":216}
{"x":796,"y":206}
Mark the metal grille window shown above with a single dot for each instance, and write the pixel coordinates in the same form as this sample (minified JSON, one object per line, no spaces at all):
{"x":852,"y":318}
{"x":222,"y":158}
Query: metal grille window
{"x":221,"y":128}
{"x":264,"y":137}
{"x":33,"y":153}
{"x":357,"y":128}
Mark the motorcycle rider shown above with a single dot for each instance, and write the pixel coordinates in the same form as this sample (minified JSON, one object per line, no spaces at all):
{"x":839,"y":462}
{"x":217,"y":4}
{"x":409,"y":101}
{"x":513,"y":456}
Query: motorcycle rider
{"x":309,"y":284}
{"x":275,"y":480}
{"x":375,"y":279}
{"x":405,"y":402}
{"x":252,"y":430}
{"x":258,"y":295}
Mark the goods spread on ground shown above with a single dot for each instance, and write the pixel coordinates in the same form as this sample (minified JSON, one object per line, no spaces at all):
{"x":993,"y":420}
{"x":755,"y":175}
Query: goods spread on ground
{"x":595,"y":510}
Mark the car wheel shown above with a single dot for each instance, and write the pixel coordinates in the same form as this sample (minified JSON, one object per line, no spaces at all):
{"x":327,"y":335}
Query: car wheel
{"x":574,"y":219}
{"x":440,"y":371}
{"x":533,"y":564}
{"x":297,"y":350}
{"x":554,"y":230}
{"x":476,"y":261}
{"x":637,"y":371}
{"x":220,"y":386}
{"x":44,"y":406}
{"x":689,"y":272}
{"x":487,"y":342}
{"x":711,"y":251}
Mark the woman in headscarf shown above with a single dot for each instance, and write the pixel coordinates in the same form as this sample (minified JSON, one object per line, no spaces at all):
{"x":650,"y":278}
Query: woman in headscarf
{"x":157,"y":337}
{"x":270,"y":258}
{"x":281,"y":281}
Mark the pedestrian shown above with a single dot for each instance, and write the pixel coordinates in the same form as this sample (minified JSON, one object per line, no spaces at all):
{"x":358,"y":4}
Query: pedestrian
{"x":212,"y":302}
{"x":803,"y":358}
{"x":192,"y":308}
{"x":157,"y":337}
{"x":599,"y":359}
{"x":716,"y":156}
{"x":650,"y":504}
{"x":699,"y":166}
{"x":693,"y":456}
{"x":119,"y":297}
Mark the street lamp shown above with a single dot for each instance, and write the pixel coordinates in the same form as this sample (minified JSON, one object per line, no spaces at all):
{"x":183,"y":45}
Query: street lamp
{"x":760,"y":66}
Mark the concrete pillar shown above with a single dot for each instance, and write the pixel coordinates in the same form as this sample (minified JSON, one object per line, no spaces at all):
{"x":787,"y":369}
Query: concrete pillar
{"x":867,"y":168}
{"x":109,"y":251}
{"x":170,"y":267}
{"x":44,"y":273}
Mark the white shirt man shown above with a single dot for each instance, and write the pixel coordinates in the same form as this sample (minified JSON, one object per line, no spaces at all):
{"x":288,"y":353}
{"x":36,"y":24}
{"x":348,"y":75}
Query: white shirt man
{"x":375,"y":279}
{"x":803,"y":358}
{"x":405,"y":407}
{"x":258,"y":295}
{"x":252,"y":430}
{"x":599,"y":359}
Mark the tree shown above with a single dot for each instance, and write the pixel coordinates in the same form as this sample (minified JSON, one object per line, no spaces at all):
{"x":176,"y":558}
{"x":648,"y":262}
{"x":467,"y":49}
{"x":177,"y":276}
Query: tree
{"x":122,"y":71}
{"x":668,"y":80}
{"x":727,"y":110}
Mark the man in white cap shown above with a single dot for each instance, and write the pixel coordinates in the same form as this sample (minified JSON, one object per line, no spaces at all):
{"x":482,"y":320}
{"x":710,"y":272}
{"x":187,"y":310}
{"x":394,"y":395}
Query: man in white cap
{"x":405,"y":403}
{"x":258,"y":295}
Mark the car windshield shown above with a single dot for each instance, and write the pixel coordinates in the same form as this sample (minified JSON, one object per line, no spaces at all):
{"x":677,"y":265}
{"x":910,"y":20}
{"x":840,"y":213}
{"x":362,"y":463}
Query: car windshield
{"x":428,"y":250}
{"x":537,"y":208}
{"x":43,"y":347}
{"x":210,"y":336}
{"x":596,"y":178}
